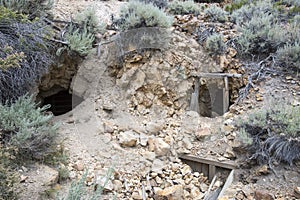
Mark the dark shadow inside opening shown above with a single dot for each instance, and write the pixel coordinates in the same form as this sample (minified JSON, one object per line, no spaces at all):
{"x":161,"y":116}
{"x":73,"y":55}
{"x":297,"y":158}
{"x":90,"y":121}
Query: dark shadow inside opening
{"x":62,"y":102}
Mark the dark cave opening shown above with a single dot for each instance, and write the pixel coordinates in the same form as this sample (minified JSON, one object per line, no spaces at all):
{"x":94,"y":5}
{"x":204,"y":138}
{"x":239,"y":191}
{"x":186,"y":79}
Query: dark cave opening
{"x":62,"y":102}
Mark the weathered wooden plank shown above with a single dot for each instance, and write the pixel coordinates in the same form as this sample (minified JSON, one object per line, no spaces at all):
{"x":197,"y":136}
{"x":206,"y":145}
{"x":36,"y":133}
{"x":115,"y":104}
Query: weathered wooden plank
{"x":224,"y":164}
{"x":217,"y":75}
{"x":228,"y":182}
{"x":211,"y":171}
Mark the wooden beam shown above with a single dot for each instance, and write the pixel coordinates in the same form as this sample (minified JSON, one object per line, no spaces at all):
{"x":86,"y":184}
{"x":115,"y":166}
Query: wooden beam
{"x":224,"y":164}
{"x":217,"y":75}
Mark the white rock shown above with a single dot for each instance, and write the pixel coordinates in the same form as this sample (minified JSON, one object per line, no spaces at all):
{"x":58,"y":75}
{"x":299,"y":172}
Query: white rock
{"x":128,"y":139}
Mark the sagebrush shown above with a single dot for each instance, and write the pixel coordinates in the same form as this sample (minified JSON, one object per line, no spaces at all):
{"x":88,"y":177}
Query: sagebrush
{"x":275,"y":133}
{"x":215,"y":44}
{"x":215,"y":13}
{"x":28,"y":128}
{"x":138,"y":14}
{"x":184,"y":7}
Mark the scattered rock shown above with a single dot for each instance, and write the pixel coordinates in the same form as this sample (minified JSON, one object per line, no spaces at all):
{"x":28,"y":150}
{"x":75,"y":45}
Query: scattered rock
{"x":174,"y":192}
{"x":23,"y":178}
{"x":51,"y":175}
{"x":128,"y":139}
{"x":161,"y":148}
{"x":78,"y":166}
{"x":144,"y":139}
{"x":137,"y":195}
{"x":202,"y":133}
{"x":117,"y":185}
{"x":263,"y":195}
{"x":229,"y":153}
{"x":186,"y":170}
{"x":149,"y":155}
{"x":103,"y":182}
{"x":263,"y":170}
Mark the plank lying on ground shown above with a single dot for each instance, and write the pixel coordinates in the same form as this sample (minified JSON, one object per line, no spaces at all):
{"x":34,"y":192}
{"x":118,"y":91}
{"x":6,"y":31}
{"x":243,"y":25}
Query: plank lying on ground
{"x":224,"y":164}
{"x":217,"y":75}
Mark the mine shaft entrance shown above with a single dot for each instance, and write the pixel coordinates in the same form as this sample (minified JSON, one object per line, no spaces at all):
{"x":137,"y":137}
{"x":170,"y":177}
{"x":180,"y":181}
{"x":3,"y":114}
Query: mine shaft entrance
{"x":211,"y":94}
{"x":62,"y":102}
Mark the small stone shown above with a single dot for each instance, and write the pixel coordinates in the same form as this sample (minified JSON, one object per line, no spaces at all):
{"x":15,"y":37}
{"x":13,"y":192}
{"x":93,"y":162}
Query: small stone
{"x":186,"y":170}
{"x":79,"y":166}
{"x":218,"y":184}
{"x":288,"y":78}
{"x":149,"y":155}
{"x":117,"y":185}
{"x":158,"y":165}
{"x":23,"y":178}
{"x":263,"y":195}
{"x":102,"y":181}
{"x":174,"y":192}
{"x":263,"y":170}
{"x":229,"y":154}
{"x":161,"y":148}
{"x":143,"y":139}
{"x":51,"y":177}
{"x":203,"y":187}
{"x":137,"y":195}
{"x":187,"y":143}
{"x":72,"y":175}
{"x":108,"y":127}
{"x":228,"y":128}
{"x":128,"y":139}
{"x":196,"y":193}
{"x":154,"y":128}
{"x":202,"y":133}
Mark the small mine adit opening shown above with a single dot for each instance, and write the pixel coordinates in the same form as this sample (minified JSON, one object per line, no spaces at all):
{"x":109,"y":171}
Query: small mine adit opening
{"x":62,"y":102}
{"x":211,"y":94}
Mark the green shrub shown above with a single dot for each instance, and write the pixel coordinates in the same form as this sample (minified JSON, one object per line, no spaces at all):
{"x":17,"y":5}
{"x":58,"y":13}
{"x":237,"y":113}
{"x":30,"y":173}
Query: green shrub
{"x":88,"y":19}
{"x":275,"y":133}
{"x":254,"y":9}
{"x":79,"y":41}
{"x":137,"y":14}
{"x":27,"y":128}
{"x":161,"y":4}
{"x":78,"y":190}
{"x":184,"y":7}
{"x":289,"y":55}
{"x":33,"y":8}
{"x":260,"y":35}
{"x":235,"y":5}
{"x":215,"y":14}
{"x":215,"y":44}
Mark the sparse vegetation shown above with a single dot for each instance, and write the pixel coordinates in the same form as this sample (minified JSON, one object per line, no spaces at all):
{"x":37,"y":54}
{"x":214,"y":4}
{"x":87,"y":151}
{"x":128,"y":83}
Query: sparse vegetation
{"x":274,"y":132}
{"x":138,"y":14}
{"x":215,"y":14}
{"x":184,"y":7}
{"x":32,"y":8}
{"x":161,"y":4}
{"x":78,"y":190}
{"x":80,"y":34}
{"x":215,"y":44}
{"x":27,"y":128}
